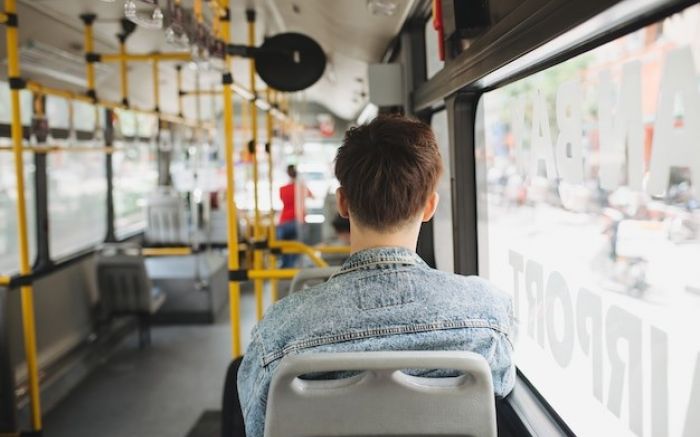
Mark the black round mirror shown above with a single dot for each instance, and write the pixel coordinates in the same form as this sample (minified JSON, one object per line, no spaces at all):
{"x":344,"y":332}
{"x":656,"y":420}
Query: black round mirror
{"x":290,"y":61}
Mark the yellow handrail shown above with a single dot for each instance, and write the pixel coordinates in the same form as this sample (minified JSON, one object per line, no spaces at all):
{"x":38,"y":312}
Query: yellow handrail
{"x":274,"y":292}
{"x":298,"y":247}
{"x":70,"y":95}
{"x":234,"y":287}
{"x":52,"y":148}
{"x":144,"y":57}
{"x":253,"y":149}
{"x":27,"y":294}
{"x":123,"y":71}
{"x":272,"y":274}
{"x":166,"y":251}
{"x":156,"y":86}
{"x":5,"y":281}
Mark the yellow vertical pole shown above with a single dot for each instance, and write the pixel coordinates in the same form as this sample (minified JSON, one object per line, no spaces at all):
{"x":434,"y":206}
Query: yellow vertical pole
{"x":178,"y":80}
{"x":27,"y":294}
{"x":252,"y":148}
{"x":156,"y":86}
{"x":89,"y":47}
{"x":123,"y":71}
{"x":234,"y":287}
{"x":274,"y":283}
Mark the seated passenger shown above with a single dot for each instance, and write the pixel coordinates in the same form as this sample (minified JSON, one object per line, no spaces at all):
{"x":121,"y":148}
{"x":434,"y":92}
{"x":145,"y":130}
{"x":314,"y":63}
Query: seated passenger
{"x":385,"y":297}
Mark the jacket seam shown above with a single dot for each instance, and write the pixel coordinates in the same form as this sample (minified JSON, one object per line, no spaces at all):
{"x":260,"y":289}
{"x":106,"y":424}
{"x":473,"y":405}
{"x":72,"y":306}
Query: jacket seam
{"x":381,"y":332}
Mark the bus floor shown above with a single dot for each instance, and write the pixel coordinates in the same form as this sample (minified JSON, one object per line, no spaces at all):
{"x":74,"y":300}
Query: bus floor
{"x":157,"y":391}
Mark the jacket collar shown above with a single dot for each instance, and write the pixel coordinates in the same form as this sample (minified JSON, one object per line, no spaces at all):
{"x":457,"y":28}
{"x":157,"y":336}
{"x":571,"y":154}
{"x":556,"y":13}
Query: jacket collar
{"x":380,"y":256}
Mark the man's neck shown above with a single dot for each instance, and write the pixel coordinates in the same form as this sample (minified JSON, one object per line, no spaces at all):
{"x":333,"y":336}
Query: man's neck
{"x":362,"y":238}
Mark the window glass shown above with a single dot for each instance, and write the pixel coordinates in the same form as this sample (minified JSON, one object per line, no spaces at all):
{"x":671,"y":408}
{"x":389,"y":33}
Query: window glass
{"x":77,"y":201}
{"x":9,"y":258}
{"x":135,"y":176}
{"x":57,"y":112}
{"x":83,"y":116}
{"x":589,"y":215}
{"x":432,"y":55}
{"x":442,"y":222}
{"x":25,"y":97}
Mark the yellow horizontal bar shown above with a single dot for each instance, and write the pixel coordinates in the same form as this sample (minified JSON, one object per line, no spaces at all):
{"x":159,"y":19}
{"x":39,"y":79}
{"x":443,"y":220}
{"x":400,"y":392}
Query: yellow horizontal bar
{"x":51,"y":149}
{"x":3,"y":18}
{"x":70,"y":95}
{"x":166,"y":251}
{"x":297,"y":247}
{"x":41,"y":89}
{"x":202,"y":93}
{"x":146,"y":57}
{"x":333,"y":249}
{"x":5,"y":281}
{"x":273,"y":274}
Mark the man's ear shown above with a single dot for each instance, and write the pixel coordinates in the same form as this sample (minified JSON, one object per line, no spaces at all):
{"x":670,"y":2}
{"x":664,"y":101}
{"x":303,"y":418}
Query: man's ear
{"x":430,"y":206}
{"x":341,"y":202}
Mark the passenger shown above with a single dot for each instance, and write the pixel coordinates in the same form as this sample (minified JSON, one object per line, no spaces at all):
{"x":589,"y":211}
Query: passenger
{"x":385,"y":297}
{"x":289,"y":222}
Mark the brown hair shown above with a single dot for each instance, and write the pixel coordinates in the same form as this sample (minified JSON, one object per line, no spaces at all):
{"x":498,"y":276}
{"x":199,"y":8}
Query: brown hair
{"x":387,"y":169}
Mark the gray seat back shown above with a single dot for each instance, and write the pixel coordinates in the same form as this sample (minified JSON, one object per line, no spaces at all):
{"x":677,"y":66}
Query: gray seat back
{"x":310,"y":277}
{"x":123,"y":282}
{"x":167,"y":219}
{"x":382,"y":400}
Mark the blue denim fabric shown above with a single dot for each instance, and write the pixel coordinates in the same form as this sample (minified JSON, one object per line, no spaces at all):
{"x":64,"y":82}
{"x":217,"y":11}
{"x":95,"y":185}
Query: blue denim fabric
{"x":382,"y":299}
{"x":288,"y":231}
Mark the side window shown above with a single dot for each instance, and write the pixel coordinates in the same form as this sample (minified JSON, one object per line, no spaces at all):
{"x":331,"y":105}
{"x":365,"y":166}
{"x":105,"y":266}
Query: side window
{"x":9,"y":258}
{"x":77,"y":191}
{"x":9,"y":244}
{"x":589,"y":188}
{"x":442,"y":223}
{"x":135,"y":172}
{"x":432,"y":55}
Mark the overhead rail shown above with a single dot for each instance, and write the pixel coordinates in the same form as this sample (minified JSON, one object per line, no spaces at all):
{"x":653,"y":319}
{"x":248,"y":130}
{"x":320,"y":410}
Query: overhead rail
{"x":61,"y":148}
{"x":70,"y":95}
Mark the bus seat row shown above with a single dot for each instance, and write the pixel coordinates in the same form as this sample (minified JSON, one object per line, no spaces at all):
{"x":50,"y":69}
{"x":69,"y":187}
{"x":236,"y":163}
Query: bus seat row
{"x":125,"y":288}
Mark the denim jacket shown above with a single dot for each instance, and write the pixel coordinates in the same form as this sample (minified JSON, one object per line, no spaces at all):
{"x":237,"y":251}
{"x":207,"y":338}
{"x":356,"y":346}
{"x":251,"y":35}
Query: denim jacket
{"x":382,"y":299}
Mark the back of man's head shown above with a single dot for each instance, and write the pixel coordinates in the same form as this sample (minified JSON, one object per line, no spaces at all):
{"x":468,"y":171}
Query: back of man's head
{"x":387,"y":170}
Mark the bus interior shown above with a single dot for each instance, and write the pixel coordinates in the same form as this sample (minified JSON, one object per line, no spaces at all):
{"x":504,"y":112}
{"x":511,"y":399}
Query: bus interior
{"x":144,"y":144}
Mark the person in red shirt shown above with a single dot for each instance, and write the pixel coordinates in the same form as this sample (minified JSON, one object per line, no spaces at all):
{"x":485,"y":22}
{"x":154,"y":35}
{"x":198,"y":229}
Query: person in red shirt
{"x":292,"y":214}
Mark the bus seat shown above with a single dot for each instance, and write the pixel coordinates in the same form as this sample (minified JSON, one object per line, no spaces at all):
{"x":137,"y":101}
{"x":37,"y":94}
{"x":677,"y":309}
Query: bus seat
{"x":125,"y":288}
{"x":309,"y":277}
{"x":381,"y":400}
{"x":167,"y":222}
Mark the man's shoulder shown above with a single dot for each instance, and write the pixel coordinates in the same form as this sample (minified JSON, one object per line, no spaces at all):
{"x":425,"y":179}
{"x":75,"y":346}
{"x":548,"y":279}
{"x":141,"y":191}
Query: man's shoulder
{"x":473,"y":291}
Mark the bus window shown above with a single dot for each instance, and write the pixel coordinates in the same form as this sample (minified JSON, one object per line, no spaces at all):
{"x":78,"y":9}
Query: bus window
{"x":9,"y":258}
{"x":135,"y":170}
{"x":138,"y":175}
{"x":432,"y":55}
{"x":442,"y":222}
{"x":77,"y":201}
{"x":84,"y":117}
{"x":589,"y":183}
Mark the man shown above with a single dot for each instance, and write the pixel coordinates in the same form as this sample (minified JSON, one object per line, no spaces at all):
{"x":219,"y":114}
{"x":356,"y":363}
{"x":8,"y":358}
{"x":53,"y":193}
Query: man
{"x":384,"y":297}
